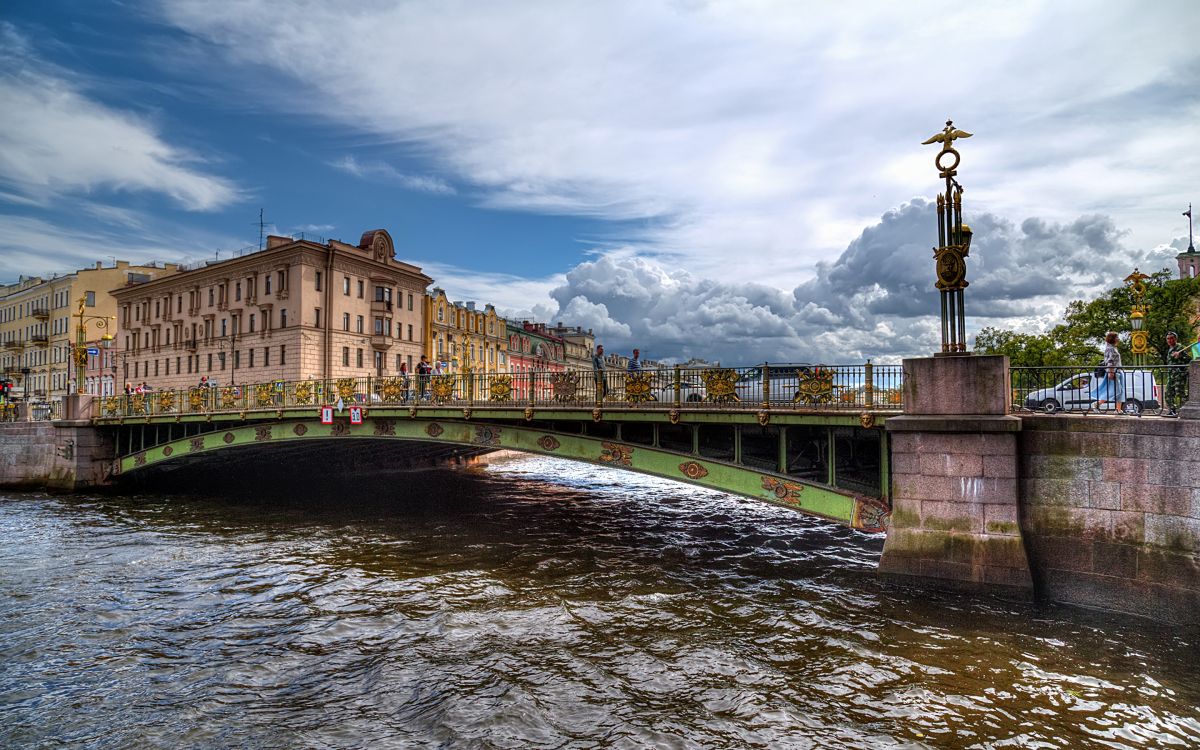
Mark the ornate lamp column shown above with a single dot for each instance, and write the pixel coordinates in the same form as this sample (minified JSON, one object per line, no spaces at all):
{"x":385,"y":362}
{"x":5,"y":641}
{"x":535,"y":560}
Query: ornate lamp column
{"x":954,"y":243}
{"x":1139,"y":342}
{"x":81,"y":354}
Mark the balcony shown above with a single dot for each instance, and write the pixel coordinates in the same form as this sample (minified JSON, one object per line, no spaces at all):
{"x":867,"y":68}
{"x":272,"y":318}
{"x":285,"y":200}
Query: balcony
{"x":381,"y":342}
{"x":14,"y":344}
{"x":39,"y":339}
{"x":381,"y":306}
{"x":41,"y":312}
{"x":190,"y":345}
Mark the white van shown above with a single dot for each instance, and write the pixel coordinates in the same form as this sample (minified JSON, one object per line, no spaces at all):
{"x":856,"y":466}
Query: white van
{"x":1075,"y":394}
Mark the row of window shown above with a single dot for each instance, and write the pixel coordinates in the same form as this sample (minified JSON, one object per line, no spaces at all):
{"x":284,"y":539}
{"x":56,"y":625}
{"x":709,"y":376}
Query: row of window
{"x":255,"y":357}
{"x":465,"y":320}
{"x":380,"y":362}
{"x":61,"y":299}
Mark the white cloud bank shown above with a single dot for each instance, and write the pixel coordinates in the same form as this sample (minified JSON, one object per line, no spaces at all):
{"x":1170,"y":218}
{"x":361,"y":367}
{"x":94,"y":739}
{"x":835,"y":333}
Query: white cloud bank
{"x":57,"y":141}
{"x":769,"y":132}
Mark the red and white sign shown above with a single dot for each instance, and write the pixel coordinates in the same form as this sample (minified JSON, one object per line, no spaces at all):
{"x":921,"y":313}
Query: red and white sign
{"x":355,"y":415}
{"x":326,"y":415}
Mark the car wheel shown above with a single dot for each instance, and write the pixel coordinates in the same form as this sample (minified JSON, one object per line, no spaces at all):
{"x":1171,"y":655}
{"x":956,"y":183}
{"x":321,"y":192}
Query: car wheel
{"x":1050,"y":406}
{"x":1133,"y":408}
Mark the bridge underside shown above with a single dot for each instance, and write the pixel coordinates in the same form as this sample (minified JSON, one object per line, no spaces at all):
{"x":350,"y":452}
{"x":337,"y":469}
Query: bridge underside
{"x":748,"y":466}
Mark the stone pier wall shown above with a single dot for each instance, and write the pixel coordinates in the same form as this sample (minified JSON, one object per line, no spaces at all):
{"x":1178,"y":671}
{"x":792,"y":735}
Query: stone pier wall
{"x":53,"y":455}
{"x":1110,"y":510}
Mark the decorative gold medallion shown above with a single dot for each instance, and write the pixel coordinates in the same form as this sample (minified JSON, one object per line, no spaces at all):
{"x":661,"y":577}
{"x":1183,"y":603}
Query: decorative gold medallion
{"x":719,"y":384}
{"x":639,"y":386}
{"x":564,"y":386}
{"x":500,"y":389}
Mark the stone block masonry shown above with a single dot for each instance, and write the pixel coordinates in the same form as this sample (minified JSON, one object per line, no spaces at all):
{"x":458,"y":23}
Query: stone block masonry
{"x":53,"y":455}
{"x":1110,"y":508}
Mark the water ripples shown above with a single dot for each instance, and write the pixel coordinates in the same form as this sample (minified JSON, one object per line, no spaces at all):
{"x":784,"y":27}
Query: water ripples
{"x":538,"y":604}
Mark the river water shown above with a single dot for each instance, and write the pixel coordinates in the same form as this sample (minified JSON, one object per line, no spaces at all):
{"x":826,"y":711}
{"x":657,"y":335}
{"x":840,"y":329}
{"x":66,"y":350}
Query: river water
{"x":535,"y":604}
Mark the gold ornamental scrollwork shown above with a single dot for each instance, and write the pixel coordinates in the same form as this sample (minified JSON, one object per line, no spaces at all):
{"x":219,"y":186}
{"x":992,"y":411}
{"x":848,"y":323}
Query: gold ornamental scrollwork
{"x":638,"y":387}
{"x":719,"y":383}
{"x":262,"y":394}
{"x":815,"y":386}
{"x":196,"y":399}
{"x":166,"y":401}
{"x":303,"y":393}
{"x":345,"y":388}
{"x":500,"y":389}
{"x":442,"y":388}
{"x":1139,"y":342}
{"x":228,"y":398}
{"x":393,"y":389}
{"x":564,"y":386}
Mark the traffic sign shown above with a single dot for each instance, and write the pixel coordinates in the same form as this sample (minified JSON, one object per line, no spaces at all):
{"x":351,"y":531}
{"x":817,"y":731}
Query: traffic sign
{"x":93,"y":351}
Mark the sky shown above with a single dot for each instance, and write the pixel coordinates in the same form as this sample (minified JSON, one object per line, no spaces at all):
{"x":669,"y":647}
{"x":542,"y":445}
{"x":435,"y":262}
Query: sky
{"x":735,"y":181}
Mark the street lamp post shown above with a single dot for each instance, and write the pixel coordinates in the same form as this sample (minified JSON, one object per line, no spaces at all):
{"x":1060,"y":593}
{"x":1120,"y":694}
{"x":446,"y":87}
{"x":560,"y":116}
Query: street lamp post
{"x":81,"y":354}
{"x":1139,"y":342}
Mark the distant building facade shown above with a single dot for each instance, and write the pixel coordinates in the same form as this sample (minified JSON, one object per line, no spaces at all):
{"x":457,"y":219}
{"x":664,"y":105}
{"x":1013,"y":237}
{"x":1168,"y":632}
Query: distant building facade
{"x":533,"y":349}
{"x":580,"y":345}
{"x":466,"y":339}
{"x":296,"y":310}
{"x":38,"y":328}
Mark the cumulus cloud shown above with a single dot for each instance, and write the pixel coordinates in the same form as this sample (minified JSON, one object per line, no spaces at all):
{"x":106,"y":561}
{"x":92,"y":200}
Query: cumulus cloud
{"x":55,"y":140}
{"x":876,"y":300}
{"x":770,"y":132}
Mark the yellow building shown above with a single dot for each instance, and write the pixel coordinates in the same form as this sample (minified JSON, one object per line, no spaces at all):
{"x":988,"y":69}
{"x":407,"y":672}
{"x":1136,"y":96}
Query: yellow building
{"x":462,"y":337}
{"x":37,"y":327}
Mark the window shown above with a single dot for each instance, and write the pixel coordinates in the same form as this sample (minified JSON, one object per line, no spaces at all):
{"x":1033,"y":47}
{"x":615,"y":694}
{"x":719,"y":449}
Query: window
{"x":237,"y":292}
{"x":360,"y":289}
{"x":410,"y":336}
{"x":283,"y":354}
{"x":251,"y":356}
{"x":359,"y":358}
{"x":378,"y":361}
{"x":157,"y":309}
{"x":441,"y":315}
{"x":210,"y":296}
{"x":379,"y":326}
{"x":282,"y":280}
{"x":283,"y":318}
{"x":398,"y":362}
{"x":210,"y":361}
{"x":252,"y":316}
{"x":267,"y":284}
{"x":266,"y":356}
{"x":179,"y":303}
{"x":224,"y":327}
{"x":345,"y":321}
{"x":89,"y":299}
{"x":345,"y":356}
{"x":237,"y":359}
{"x":410,"y":301}
{"x":346,"y":285}
{"x":317,"y":317}
{"x":318,"y":281}
{"x":360,"y":323}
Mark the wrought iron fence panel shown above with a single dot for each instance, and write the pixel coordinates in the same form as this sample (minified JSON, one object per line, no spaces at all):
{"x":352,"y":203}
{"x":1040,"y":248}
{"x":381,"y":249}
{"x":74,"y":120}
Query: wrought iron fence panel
{"x":1087,"y":389}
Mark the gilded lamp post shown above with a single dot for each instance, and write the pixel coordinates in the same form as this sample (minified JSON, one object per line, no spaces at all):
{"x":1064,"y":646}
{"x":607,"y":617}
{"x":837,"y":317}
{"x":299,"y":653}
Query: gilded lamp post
{"x":81,"y":355}
{"x":954,"y":243}
{"x":1139,"y":343}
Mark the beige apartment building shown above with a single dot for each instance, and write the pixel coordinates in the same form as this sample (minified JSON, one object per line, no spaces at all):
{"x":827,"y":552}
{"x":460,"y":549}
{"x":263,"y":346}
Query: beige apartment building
{"x":296,"y":310}
{"x":38,"y":328}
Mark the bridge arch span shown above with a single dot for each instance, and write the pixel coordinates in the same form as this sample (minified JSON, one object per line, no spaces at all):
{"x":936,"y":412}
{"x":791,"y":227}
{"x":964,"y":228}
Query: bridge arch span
{"x":856,"y":511}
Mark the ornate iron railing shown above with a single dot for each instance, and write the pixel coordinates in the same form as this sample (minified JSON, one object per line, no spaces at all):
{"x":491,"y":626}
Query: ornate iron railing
{"x":1150,"y":390}
{"x":771,"y":387}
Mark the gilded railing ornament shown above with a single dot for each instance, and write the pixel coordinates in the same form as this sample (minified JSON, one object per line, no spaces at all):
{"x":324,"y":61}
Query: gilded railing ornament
{"x":565,"y":386}
{"x":815,"y":386}
{"x":112,"y":406}
{"x":166,"y":401}
{"x":442,"y":388}
{"x":954,"y":243}
{"x":196,"y":399}
{"x":393,"y":389}
{"x":262,"y":394}
{"x":638,"y":387}
{"x":500,"y":389}
{"x":228,"y":398}
{"x":719,"y":383}
{"x":345,"y":388}
{"x":302,"y":394}
{"x":137,"y":403}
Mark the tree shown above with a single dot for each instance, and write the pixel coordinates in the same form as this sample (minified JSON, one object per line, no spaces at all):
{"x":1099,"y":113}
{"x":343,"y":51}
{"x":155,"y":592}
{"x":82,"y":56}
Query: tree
{"x":1078,"y":340}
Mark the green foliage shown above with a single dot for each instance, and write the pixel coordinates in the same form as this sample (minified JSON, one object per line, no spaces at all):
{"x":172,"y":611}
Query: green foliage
{"x":1079,"y":339}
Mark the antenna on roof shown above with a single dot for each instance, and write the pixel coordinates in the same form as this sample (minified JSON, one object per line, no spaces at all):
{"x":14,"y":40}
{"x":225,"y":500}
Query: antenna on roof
{"x":262,"y":229}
